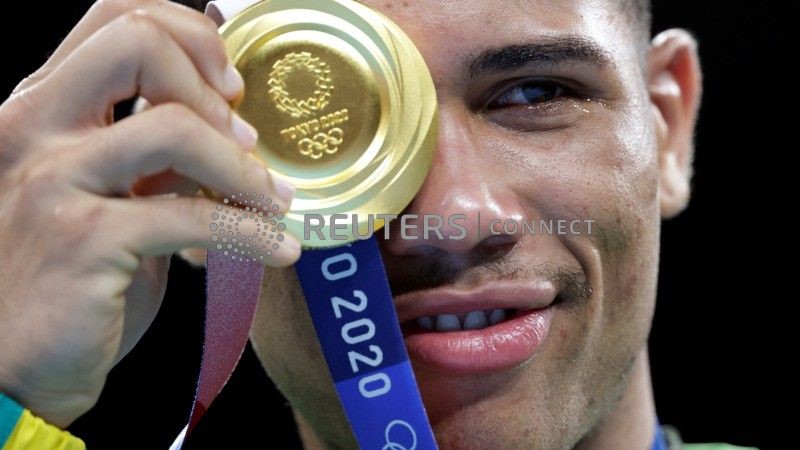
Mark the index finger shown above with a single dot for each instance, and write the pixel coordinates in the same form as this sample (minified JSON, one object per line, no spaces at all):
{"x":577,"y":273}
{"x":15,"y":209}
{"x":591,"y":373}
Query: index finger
{"x":194,"y":32}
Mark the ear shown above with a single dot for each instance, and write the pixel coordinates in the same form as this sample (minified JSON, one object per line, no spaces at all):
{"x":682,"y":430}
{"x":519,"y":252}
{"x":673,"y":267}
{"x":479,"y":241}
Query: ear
{"x":674,"y":83}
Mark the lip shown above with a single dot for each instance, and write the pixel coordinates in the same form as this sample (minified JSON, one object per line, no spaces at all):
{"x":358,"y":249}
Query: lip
{"x":495,"y":348}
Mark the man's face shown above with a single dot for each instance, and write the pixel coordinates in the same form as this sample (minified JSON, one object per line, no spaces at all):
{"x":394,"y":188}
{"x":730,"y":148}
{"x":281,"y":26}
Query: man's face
{"x":544,"y":114}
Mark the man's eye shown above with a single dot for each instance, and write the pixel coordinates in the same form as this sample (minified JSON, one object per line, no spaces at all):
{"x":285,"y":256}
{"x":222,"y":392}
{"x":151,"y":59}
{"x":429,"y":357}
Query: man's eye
{"x":528,"y":93}
{"x":536,"y":104}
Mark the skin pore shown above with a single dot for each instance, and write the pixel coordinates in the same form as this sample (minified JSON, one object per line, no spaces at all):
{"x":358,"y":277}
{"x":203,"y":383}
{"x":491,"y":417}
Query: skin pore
{"x":548,"y":110}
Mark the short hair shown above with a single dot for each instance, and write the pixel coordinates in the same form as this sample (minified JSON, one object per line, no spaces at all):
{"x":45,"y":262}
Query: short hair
{"x":639,"y":11}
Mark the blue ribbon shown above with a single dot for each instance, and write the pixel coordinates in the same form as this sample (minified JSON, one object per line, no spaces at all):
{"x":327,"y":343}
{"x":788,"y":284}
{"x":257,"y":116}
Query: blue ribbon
{"x":350,"y":302}
{"x":659,"y":440}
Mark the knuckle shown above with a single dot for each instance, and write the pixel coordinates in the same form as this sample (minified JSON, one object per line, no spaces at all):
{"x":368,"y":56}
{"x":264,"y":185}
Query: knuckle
{"x":200,"y":25}
{"x":23,"y":110}
{"x":183,"y":122}
{"x":142,"y":30}
{"x":118,"y":7}
{"x":207,"y":26}
{"x":14,"y":116}
{"x":196,"y":209}
{"x":30,"y":80}
{"x":191,"y":207}
{"x":256,"y":170}
{"x":177,"y":112}
{"x":212,"y":42}
{"x":215,"y":107}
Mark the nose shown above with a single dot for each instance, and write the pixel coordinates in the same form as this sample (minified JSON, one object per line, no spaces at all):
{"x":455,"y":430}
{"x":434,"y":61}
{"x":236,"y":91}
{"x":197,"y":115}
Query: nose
{"x":463,"y":202}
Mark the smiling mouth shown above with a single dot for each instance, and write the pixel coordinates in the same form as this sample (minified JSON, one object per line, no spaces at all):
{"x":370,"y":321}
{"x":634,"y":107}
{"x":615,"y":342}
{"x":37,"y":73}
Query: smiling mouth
{"x":472,"y":320}
{"x":493,"y":328}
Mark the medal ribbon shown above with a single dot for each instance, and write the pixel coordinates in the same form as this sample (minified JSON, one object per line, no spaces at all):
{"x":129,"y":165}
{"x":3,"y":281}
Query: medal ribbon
{"x":348,"y":296}
{"x":232,"y":291}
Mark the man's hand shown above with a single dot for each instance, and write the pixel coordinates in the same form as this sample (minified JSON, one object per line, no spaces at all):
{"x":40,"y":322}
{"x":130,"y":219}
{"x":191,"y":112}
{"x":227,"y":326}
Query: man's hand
{"x":91,"y":210}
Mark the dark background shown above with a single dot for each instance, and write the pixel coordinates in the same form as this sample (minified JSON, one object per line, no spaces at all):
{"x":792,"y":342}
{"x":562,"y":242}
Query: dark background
{"x":712,"y":374}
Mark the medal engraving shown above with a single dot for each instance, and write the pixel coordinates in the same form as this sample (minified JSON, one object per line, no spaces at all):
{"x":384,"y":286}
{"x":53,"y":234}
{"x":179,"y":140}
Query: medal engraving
{"x":344,"y":106}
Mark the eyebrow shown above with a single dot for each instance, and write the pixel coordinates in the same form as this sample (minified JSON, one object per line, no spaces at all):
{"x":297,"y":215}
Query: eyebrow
{"x":547,"y":50}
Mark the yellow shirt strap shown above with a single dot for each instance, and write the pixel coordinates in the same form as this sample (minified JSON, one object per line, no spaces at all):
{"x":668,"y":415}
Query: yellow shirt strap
{"x":21,"y":430}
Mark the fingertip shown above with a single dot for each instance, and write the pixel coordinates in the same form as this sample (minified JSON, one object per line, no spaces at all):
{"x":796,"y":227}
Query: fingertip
{"x":195,"y":257}
{"x":284,"y":190}
{"x":233,"y":83}
{"x":287,"y":254}
{"x":245,"y":134}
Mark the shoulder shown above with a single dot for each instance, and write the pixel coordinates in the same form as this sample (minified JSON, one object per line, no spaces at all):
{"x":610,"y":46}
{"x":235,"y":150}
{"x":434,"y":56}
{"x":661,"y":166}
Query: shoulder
{"x":715,"y":447}
{"x":674,"y":442}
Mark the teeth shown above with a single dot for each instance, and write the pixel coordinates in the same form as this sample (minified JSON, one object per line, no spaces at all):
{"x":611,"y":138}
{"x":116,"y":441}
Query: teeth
{"x":447,"y":322}
{"x":475,"y":321}
{"x":497,"y":316}
{"x":425,"y":322}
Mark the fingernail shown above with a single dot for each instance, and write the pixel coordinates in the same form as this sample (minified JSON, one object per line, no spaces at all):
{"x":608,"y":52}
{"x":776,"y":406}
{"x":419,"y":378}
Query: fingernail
{"x":287,"y":253}
{"x":234,"y":83}
{"x":245,"y":134}
{"x":290,"y":243}
{"x":284,"y":190}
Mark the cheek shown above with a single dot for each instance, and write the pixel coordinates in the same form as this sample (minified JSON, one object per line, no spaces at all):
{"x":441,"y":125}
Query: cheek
{"x":629,"y":247}
{"x":605,"y":170}
{"x":624,"y":180}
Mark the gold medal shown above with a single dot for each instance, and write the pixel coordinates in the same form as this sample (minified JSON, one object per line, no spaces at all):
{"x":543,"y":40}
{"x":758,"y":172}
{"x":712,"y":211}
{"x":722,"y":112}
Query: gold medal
{"x":344,"y":105}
